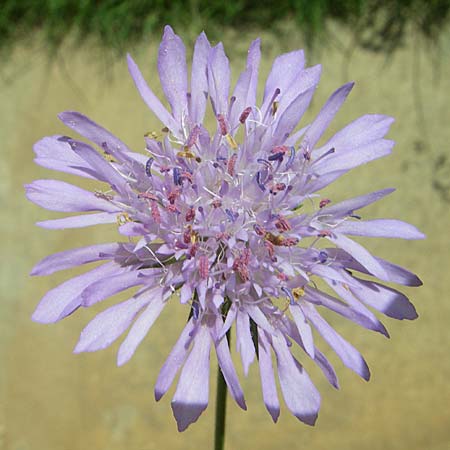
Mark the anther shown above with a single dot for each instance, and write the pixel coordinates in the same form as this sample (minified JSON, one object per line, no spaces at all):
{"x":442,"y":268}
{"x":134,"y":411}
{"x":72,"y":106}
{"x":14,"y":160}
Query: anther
{"x":231,"y":164}
{"x":148,"y":167}
{"x":243,"y":117}
{"x":203,"y":267}
{"x":324,"y":202}
{"x":222,"y":124}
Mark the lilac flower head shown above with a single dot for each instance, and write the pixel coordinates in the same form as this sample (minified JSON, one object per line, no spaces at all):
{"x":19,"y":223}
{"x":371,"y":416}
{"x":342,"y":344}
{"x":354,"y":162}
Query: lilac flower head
{"x":226,"y":221}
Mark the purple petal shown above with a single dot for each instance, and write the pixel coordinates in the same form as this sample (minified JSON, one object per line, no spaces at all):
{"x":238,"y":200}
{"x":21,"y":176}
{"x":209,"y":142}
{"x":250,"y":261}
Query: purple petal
{"x":346,"y":352}
{"x":107,"y":326}
{"x":360,"y":254}
{"x":57,"y":195}
{"x":320,"y":298}
{"x":95,"y":133}
{"x":362,"y":131}
{"x":141,"y":327}
{"x":291,"y":330}
{"x":349,"y":159}
{"x":347,"y":207}
{"x":344,"y":292}
{"x":226,"y":364}
{"x":326,"y":115}
{"x":385,"y":299}
{"x":175,"y":359}
{"x":65,"y":298}
{"x":396,"y":273}
{"x":269,"y":388}
{"x":74,"y":257}
{"x":253,"y":59}
{"x":218,"y":79}
{"x":285,"y":69}
{"x":199,"y":79}
{"x":102,"y":167}
{"x":55,"y":153}
{"x":229,"y":320}
{"x":244,"y":342}
{"x":79,"y":221}
{"x":307,"y":79}
{"x":150,"y":98}
{"x":326,"y":367}
{"x":301,"y":396}
{"x":259,"y":318}
{"x":191,"y":396}
{"x":385,"y":228}
{"x":173,"y":72}
{"x":303,"y":328}
{"x":107,"y":287}
{"x":292,"y":115}
{"x":240,"y":94}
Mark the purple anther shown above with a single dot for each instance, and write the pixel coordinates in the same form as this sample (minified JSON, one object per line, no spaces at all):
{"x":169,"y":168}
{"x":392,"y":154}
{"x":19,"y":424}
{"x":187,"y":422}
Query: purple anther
{"x":148,"y":167}
{"x":323,"y":256}
{"x":176,"y":176}
{"x":231,"y":215}
{"x":258,"y":180}
{"x":289,"y":295}
{"x":291,"y":158}
{"x":64,"y":139}
{"x":195,"y":310}
{"x":276,"y":157}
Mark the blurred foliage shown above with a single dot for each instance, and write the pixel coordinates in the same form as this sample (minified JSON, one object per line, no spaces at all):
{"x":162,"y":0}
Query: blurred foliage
{"x":378,"y":25}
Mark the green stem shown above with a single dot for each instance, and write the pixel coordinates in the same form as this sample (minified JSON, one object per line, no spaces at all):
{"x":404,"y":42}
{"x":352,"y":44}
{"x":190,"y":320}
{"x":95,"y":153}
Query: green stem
{"x":221,"y":407}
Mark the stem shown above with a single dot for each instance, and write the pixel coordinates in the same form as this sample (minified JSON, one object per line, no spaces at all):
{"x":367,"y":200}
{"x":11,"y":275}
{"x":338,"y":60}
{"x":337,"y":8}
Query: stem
{"x":221,"y":406}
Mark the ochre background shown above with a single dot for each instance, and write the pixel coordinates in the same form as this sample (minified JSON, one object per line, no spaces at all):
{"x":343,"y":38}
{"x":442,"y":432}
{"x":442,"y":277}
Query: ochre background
{"x":54,"y":400}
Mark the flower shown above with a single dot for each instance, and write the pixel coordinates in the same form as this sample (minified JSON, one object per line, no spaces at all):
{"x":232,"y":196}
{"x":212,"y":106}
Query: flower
{"x":226,"y":222}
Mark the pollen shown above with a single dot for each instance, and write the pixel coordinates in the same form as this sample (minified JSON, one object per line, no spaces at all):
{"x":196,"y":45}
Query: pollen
{"x":298,"y":292}
{"x":123,"y":218}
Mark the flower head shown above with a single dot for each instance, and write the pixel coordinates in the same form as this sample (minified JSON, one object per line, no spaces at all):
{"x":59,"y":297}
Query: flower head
{"x":225,"y":221}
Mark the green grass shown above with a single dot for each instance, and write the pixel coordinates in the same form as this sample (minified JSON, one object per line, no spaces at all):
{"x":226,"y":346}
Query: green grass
{"x":378,"y":25}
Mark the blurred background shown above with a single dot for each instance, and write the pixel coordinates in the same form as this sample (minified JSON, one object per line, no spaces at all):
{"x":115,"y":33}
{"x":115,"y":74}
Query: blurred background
{"x":69,"y":55}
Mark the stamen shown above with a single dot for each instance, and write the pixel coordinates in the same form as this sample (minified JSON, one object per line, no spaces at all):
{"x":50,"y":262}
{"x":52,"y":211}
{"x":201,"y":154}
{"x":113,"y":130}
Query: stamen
{"x":243,"y":117}
{"x":290,"y":161}
{"x":193,"y":136}
{"x":274,"y":108}
{"x":123,"y":218}
{"x":323,"y":256}
{"x":203,"y":267}
{"x":231,"y":164}
{"x":298,"y":292}
{"x":282,"y":224}
{"x":259,"y":230}
{"x":152,"y":135}
{"x":276,"y":157}
{"x":148,"y":167}
{"x":289,"y":295}
{"x":258,"y":180}
{"x":231,"y":142}
{"x":324,"y":202}
{"x":222,"y":125}
{"x":147,"y":196}
{"x":155,"y":212}
{"x":231,"y":215}
{"x":176,"y":176}
{"x":190,"y":215}
{"x":186,"y":153}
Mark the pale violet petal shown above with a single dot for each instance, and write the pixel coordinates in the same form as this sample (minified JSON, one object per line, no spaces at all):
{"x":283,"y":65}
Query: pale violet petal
{"x":141,"y":327}
{"x":191,"y":395}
